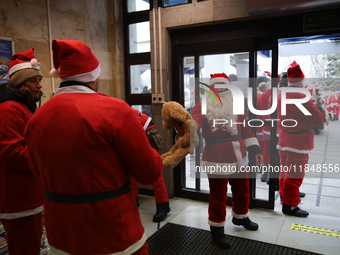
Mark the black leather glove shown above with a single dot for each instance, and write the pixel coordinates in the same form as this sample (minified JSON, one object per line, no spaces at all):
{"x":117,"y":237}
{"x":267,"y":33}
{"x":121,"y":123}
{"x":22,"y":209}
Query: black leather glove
{"x":252,"y":151}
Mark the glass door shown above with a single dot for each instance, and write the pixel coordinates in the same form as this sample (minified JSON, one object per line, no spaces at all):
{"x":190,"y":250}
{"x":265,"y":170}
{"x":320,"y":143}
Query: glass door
{"x":245,"y":68}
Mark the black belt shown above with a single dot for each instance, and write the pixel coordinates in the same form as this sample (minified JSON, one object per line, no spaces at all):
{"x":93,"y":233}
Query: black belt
{"x":223,"y":139}
{"x":88,"y":198}
{"x":298,"y":132}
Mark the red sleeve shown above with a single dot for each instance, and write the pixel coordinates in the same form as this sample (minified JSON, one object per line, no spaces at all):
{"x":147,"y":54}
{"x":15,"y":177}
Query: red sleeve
{"x":13,"y":149}
{"x":131,"y":143}
{"x":197,"y":115}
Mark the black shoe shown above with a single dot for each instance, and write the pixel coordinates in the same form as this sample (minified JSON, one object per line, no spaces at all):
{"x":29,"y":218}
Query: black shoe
{"x":246,"y":223}
{"x":162,"y":211}
{"x":302,"y":194}
{"x":286,"y":209}
{"x":219,"y":237}
{"x":264,"y":177}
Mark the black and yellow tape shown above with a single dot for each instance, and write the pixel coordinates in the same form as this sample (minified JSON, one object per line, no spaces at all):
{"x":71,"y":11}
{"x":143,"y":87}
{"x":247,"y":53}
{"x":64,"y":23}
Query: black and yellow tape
{"x":315,"y":230}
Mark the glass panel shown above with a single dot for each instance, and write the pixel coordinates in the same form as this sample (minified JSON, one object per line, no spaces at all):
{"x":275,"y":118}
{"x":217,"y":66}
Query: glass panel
{"x":189,"y":102}
{"x":140,"y":77}
{"x":139,"y":37}
{"x":138,"y":5}
{"x":174,"y":2}
{"x":263,"y":83}
{"x":145,"y":109}
{"x":236,"y":66}
{"x":319,"y":58}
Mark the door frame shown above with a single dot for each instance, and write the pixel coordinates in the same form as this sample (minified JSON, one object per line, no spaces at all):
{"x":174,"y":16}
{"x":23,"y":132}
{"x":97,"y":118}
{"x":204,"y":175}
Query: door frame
{"x":258,"y":33}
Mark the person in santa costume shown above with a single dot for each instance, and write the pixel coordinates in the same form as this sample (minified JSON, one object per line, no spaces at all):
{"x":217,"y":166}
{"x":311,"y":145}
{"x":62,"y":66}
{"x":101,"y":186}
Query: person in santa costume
{"x":84,"y":147}
{"x":225,"y":151}
{"x":296,"y":141}
{"x":332,"y":104}
{"x":21,"y":200}
{"x":159,"y":189}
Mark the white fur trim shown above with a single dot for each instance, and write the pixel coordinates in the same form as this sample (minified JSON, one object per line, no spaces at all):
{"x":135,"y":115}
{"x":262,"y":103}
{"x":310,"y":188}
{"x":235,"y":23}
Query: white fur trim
{"x":84,"y":77}
{"x":55,"y":73}
{"x":293,"y":150}
{"x":219,"y":80}
{"x":21,"y":66}
{"x":223,"y":168}
{"x":216,"y":224}
{"x":240,"y":216}
{"x":16,"y":215}
{"x":73,"y":89}
{"x":296,"y":84}
{"x":250,"y":141}
{"x":132,"y":249}
{"x":147,"y":124}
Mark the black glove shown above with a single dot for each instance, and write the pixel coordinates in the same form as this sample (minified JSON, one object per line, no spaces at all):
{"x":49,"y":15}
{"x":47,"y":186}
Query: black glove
{"x":252,"y":151}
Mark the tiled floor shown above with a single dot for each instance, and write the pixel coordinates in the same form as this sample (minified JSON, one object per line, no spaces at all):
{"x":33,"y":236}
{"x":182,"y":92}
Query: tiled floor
{"x":322,"y":201}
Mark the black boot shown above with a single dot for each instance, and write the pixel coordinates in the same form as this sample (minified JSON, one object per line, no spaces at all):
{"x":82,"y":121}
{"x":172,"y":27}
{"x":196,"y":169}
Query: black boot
{"x":302,"y":194}
{"x":264,"y":177}
{"x":219,"y":237}
{"x":246,"y":223}
{"x":286,"y":209}
{"x":162,"y":211}
{"x":330,"y":116}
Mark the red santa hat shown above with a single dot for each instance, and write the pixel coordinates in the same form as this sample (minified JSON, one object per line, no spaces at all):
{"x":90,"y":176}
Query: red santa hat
{"x":23,"y":66}
{"x":219,"y":78}
{"x":144,"y":119}
{"x":295,"y":75}
{"x":74,"y":61}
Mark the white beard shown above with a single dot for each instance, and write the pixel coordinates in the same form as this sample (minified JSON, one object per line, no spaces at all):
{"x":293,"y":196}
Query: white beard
{"x":224,"y":111}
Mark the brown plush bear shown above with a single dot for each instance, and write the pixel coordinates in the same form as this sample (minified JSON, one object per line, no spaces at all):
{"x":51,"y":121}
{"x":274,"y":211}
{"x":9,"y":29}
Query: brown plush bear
{"x":175,"y":116}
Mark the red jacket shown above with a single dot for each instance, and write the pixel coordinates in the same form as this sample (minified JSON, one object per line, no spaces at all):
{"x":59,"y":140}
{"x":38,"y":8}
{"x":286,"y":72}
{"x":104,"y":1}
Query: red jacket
{"x":21,"y":193}
{"x":92,"y":143}
{"x":227,"y":154}
{"x":299,"y":143}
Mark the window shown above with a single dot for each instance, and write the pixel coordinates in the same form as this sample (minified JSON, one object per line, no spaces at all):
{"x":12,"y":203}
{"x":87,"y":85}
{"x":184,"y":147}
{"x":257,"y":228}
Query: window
{"x":174,"y":2}
{"x":138,"y":5}
{"x":139,"y":37}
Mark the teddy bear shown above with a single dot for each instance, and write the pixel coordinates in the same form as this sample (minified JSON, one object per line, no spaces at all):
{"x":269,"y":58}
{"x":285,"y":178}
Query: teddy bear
{"x":175,"y":116}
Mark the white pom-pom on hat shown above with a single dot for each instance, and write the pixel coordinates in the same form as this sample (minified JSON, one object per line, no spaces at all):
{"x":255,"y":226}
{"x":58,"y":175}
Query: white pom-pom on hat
{"x":34,"y":61}
{"x":55,"y":73}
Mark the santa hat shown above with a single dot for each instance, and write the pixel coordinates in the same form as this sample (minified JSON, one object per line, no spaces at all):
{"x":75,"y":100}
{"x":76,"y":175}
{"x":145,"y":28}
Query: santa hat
{"x":23,"y":66}
{"x":219,"y":78}
{"x":74,"y":61}
{"x":144,"y":119}
{"x":295,"y":75}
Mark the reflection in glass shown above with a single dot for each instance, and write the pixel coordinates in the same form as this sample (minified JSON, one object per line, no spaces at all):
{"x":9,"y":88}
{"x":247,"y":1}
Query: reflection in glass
{"x":173,"y":2}
{"x":138,"y":5}
{"x":140,"y":77}
{"x":139,"y":37}
{"x":145,"y":109}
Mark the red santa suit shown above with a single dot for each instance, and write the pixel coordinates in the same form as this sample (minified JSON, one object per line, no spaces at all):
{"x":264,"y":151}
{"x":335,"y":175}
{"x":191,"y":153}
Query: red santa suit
{"x":337,"y":109}
{"x":159,"y":189}
{"x":84,"y":147}
{"x":265,"y":105}
{"x":222,"y":159}
{"x":295,"y":142}
{"x":332,"y":104}
{"x":21,"y":200}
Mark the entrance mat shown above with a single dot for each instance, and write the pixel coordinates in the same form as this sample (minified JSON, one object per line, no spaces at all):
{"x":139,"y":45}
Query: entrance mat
{"x":179,"y":240}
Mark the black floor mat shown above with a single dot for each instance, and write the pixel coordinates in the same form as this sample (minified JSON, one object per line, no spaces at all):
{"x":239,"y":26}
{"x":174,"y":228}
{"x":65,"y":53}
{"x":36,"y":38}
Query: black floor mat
{"x":179,"y":240}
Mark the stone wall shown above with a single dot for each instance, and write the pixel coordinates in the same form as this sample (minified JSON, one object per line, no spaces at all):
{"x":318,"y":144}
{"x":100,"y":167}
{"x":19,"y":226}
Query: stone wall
{"x":96,"y":23}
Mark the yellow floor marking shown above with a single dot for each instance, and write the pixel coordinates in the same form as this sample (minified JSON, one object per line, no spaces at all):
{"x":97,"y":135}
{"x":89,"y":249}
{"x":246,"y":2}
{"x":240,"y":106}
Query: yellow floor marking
{"x":315,"y":230}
